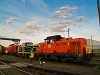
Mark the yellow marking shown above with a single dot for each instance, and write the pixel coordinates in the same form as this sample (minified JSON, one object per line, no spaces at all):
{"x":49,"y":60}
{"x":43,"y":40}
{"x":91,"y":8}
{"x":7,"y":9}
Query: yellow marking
{"x":88,"y":49}
{"x":32,"y":55}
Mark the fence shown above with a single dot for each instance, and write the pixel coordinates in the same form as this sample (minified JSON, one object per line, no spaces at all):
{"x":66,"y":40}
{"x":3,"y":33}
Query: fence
{"x":96,"y":50}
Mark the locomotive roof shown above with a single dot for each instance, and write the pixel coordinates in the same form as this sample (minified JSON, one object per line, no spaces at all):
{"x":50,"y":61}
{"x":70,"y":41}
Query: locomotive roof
{"x":54,"y":37}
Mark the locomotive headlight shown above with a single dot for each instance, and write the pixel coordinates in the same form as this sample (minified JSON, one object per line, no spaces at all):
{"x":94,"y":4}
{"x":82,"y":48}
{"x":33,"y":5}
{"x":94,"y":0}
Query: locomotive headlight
{"x":80,"y":55}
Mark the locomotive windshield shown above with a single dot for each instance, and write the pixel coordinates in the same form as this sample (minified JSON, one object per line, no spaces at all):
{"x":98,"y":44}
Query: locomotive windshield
{"x":27,"y":44}
{"x":49,"y":41}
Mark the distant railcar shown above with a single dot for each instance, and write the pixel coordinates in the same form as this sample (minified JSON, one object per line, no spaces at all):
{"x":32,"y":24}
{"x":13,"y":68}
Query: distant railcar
{"x":65,"y":48}
{"x":24,"y":50}
{"x":2,"y":49}
{"x":13,"y":49}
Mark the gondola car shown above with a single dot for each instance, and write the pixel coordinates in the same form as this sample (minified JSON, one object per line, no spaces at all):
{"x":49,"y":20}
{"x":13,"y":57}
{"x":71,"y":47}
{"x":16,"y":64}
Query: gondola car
{"x":65,"y":48}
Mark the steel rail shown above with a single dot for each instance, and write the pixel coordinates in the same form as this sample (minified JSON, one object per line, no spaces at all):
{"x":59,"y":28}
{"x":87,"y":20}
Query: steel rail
{"x":14,"y":68}
{"x":22,"y":71}
{"x":2,"y":73}
{"x":41,"y":69}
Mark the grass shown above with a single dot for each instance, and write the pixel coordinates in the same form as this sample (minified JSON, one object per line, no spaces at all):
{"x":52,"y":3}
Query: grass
{"x":97,"y":67}
{"x":48,"y":63}
{"x":96,"y":54}
{"x":13,"y":58}
{"x":96,"y":61}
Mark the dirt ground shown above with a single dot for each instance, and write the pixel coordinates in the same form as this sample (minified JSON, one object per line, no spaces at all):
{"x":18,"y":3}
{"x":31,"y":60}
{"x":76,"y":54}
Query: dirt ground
{"x":74,"y":68}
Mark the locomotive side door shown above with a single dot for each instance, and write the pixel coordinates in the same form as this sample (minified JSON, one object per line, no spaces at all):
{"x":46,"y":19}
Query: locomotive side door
{"x":74,"y":48}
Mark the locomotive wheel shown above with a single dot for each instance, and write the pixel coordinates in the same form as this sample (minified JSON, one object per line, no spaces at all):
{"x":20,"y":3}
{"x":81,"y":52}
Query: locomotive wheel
{"x":88,"y":58}
{"x":79,"y":59}
{"x":59,"y":58}
{"x":63,"y":59}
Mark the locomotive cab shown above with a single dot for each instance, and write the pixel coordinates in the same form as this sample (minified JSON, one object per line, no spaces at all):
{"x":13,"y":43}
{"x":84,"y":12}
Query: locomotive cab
{"x":52,"y":39}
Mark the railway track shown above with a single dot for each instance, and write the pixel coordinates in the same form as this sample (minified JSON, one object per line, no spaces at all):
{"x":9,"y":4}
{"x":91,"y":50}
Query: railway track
{"x":71,"y":63}
{"x":52,"y":67}
{"x":51,"y":71}
{"x":24,"y":70}
{"x":2,"y":73}
{"x":14,"y":67}
{"x":39,"y":69}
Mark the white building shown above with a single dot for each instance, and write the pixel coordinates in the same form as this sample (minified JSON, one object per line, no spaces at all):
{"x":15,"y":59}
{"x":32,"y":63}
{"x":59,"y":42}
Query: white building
{"x":96,"y":45}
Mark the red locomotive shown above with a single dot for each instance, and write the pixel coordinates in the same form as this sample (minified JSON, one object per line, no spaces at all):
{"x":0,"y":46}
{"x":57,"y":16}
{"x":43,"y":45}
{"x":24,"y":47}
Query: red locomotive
{"x":65,"y":48}
{"x":57,"y":47}
{"x":13,"y":49}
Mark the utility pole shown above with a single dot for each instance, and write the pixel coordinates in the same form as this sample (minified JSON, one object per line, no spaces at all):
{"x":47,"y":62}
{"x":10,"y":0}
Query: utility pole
{"x":92,"y":44}
{"x":68,"y":32}
{"x":98,"y":5}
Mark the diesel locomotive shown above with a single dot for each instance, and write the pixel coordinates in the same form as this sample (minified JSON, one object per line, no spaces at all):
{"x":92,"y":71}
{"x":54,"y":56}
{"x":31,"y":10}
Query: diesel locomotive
{"x":65,"y":48}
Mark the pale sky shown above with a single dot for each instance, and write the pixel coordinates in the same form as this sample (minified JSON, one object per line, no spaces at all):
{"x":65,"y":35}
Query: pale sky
{"x":34,"y":20}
